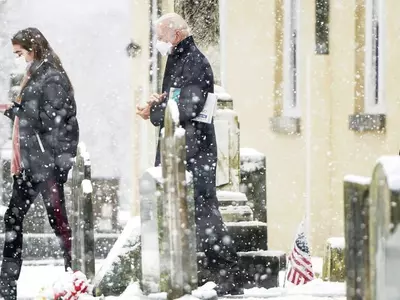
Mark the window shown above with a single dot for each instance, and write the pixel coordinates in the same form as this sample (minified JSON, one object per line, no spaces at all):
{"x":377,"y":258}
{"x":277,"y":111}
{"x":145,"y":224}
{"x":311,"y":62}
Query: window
{"x":373,"y":58}
{"x":322,"y":27}
{"x":290,"y":59}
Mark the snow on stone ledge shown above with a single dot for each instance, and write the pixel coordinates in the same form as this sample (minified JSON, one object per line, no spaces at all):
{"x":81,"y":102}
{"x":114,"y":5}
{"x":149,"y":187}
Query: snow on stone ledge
{"x":245,"y":223}
{"x":267,"y":253}
{"x":361,"y":180}
{"x":251,"y":153}
{"x":87,"y":186}
{"x":221,"y":94}
{"x":391,"y":167}
{"x":82,"y":147}
{"x":156,"y":173}
{"x":180,"y":132}
{"x":3,"y":210}
{"x":229,"y":195}
{"x":218,"y":89}
{"x":236,"y":209}
{"x":224,"y":97}
{"x":251,"y":160}
{"x":336,"y":242}
{"x":173,"y":107}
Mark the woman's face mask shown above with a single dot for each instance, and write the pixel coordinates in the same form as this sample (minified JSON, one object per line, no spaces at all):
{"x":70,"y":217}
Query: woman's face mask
{"x":163,"y":47}
{"x":23,"y":54}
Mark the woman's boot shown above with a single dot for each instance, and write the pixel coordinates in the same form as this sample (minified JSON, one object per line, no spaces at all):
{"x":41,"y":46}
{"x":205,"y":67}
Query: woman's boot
{"x":10,"y":270}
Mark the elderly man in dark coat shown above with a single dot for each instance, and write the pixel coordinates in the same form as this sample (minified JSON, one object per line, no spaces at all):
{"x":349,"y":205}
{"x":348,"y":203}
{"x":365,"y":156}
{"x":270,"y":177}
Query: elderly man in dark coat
{"x":188,"y":69}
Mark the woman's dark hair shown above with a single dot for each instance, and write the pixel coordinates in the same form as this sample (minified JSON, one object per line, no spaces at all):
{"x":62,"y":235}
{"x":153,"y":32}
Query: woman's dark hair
{"x":32,"y":40}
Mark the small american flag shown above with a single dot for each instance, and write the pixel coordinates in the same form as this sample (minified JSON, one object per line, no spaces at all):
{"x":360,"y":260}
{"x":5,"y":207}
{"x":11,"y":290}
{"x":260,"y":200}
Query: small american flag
{"x":300,"y":270}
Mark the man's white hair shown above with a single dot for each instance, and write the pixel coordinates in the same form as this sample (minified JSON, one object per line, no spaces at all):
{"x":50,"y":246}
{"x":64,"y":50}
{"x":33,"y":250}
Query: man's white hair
{"x":174,"y":22}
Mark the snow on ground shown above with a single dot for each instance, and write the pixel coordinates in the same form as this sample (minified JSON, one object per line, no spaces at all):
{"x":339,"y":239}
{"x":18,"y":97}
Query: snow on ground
{"x":38,"y":274}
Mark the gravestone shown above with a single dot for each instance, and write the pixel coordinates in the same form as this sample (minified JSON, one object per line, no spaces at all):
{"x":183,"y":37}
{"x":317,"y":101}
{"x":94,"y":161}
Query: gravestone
{"x":168,"y":237}
{"x":253,"y":181}
{"x":82,"y":225}
{"x":333,"y":265}
{"x":105,"y":204}
{"x":385,"y":209}
{"x":227,"y":133}
{"x":233,"y":203}
{"x":356,"y":220}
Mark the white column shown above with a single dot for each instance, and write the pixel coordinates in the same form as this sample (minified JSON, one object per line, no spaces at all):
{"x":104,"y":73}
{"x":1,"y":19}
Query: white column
{"x":140,"y":83}
{"x":223,"y":6}
{"x":308,"y":147}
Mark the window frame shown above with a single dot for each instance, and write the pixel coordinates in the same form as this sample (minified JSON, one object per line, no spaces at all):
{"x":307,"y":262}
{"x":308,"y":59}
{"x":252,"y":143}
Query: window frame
{"x":291,"y":103}
{"x":374,"y":54}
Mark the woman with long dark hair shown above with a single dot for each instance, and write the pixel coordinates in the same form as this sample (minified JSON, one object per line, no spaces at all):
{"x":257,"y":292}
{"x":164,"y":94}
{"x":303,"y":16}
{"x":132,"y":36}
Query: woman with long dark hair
{"x":45,"y":138}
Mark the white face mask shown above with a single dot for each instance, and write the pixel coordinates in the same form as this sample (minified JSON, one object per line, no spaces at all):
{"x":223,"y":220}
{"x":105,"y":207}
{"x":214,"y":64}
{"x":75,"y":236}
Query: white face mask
{"x":21,"y":62}
{"x":163,"y":47}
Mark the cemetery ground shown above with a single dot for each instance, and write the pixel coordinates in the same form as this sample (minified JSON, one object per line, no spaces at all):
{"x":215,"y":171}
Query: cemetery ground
{"x":38,"y":274}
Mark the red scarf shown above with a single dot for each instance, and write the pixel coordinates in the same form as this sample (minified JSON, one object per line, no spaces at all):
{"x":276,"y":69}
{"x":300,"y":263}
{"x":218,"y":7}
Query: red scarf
{"x":16,"y":150}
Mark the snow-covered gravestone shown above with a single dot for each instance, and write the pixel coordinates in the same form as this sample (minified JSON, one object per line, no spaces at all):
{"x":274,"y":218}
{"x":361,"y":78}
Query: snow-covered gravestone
{"x":168,"y":235}
{"x":356,"y":216}
{"x":227,"y":133}
{"x":384,"y":210}
{"x":82,"y":218}
{"x":333,"y":266}
{"x":233,"y":203}
{"x":253,"y":176}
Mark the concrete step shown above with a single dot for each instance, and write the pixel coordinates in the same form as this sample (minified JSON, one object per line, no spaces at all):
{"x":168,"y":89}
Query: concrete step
{"x":226,"y":198}
{"x":233,"y":213}
{"x":259,"y":268}
{"x":46,"y":245}
{"x":248,"y":236}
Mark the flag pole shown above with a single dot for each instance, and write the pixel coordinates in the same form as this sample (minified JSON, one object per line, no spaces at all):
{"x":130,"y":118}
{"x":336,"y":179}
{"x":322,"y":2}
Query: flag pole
{"x":287,"y":268}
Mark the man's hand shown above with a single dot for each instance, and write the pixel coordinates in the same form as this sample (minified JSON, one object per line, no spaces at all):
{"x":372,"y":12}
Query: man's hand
{"x":156,"y":99}
{"x":144,"y":112}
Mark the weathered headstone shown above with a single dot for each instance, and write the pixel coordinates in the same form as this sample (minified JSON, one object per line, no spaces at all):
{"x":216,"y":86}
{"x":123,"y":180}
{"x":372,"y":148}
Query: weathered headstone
{"x":105,"y":204}
{"x":356,"y":216}
{"x":253,"y":181}
{"x":233,"y":203}
{"x":384,"y":210}
{"x":82,"y":214}
{"x":333,"y":265}
{"x":167,"y":215}
{"x":227,"y":133}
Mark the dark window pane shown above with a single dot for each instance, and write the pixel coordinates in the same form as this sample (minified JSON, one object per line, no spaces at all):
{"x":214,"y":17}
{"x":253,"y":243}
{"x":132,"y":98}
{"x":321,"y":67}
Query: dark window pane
{"x":322,"y":26}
